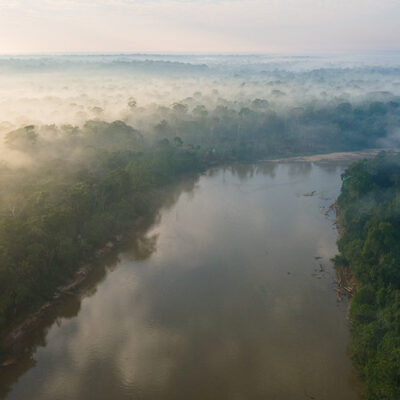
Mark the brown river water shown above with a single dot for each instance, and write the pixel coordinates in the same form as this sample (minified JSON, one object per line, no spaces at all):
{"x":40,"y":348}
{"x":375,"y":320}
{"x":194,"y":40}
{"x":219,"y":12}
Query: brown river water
{"x":222,"y":297}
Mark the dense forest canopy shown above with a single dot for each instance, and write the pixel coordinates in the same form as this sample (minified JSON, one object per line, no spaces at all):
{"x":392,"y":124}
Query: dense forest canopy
{"x":370,"y":218}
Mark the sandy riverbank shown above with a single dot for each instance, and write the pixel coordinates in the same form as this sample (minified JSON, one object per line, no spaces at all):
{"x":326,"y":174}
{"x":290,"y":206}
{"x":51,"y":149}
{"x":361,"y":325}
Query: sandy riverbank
{"x":341,"y":156}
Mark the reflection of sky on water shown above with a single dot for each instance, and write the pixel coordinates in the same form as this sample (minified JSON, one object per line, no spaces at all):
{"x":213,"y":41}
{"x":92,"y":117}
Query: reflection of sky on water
{"x":225,"y":306}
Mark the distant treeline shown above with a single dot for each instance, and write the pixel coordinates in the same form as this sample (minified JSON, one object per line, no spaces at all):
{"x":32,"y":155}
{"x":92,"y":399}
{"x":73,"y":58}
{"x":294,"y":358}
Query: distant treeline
{"x":369,"y":206}
{"x":257,"y":129}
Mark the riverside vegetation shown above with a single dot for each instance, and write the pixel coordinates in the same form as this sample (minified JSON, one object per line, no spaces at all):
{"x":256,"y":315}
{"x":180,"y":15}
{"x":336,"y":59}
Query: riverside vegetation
{"x":57,"y":214}
{"x":369,"y":215}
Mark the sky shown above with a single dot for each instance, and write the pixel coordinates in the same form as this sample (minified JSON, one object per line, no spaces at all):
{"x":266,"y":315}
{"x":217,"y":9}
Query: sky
{"x":199,"y":26}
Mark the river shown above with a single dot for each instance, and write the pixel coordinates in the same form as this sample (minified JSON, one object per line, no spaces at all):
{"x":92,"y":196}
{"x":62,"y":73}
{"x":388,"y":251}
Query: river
{"x":228,"y":295}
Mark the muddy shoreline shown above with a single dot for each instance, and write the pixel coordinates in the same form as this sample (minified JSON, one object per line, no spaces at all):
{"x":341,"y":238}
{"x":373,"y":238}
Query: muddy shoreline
{"x":345,"y":280}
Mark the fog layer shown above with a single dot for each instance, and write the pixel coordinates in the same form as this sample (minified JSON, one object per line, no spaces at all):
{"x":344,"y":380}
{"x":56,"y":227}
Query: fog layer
{"x":324,"y":103}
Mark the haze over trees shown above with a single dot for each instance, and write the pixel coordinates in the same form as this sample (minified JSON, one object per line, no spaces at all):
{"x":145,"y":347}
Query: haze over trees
{"x":86,"y":139}
{"x":87,"y":142}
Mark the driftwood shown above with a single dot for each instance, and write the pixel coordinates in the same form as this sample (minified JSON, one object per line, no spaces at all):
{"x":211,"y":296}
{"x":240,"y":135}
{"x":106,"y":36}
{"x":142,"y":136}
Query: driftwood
{"x":345,"y":283}
{"x":8,"y":363}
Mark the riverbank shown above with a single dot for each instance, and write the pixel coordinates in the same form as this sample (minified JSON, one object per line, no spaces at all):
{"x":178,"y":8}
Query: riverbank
{"x":369,"y":261}
{"x":338,"y":156}
{"x":12,"y":341}
{"x":345,"y":279}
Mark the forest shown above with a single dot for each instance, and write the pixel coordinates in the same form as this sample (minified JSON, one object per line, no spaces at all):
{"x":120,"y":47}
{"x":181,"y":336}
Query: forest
{"x":55,"y":216}
{"x":199,"y":199}
{"x":86,"y":148}
{"x":369,"y":217}
{"x":72,"y":188}
{"x":77,"y":187}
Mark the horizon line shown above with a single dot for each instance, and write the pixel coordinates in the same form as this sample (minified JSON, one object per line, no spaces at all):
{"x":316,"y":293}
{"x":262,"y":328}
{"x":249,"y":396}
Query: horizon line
{"x":212,"y":53}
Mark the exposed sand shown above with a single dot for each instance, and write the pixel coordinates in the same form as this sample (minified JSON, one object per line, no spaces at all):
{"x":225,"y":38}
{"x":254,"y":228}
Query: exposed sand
{"x":344,"y":156}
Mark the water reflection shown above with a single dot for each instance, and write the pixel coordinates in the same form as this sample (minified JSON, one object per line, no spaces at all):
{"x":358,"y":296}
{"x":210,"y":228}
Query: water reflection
{"x":299,"y":169}
{"x":218,"y":300}
{"x":139,"y":246}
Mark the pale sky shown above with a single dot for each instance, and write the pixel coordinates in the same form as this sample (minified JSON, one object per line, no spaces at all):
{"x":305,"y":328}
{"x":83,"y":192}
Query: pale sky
{"x":198,"y":26}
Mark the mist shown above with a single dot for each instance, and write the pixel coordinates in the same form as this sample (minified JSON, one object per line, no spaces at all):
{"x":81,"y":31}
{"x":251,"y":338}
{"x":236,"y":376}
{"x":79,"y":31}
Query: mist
{"x":324,"y":103}
{"x":91,"y":146}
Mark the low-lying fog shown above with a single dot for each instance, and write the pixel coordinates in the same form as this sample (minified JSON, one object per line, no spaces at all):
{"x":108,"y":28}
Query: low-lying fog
{"x":201,"y":96}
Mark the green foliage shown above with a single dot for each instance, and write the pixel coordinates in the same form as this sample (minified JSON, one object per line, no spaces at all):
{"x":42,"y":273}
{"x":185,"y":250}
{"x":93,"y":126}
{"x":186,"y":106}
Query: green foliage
{"x":57,"y":214}
{"x":370,"y":215}
{"x":23,"y":139}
